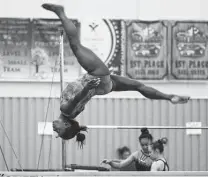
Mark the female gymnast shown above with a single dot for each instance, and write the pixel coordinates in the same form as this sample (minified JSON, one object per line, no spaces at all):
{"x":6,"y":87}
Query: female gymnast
{"x":97,"y":81}
{"x":157,"y":149}
{"x":141,"y":158}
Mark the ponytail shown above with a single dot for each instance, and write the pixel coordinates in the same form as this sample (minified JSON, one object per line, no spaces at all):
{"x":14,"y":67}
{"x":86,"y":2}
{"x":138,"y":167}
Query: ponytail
{"x":164,"y":140}
{"x":80,"y":137}
{"x":83,"y":128}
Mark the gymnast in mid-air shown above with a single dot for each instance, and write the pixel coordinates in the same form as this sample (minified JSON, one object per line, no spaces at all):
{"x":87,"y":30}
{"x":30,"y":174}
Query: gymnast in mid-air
{"x":97,"y":81}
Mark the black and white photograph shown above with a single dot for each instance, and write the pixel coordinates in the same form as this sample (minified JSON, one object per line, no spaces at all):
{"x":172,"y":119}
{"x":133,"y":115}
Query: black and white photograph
{"x":103,"y":88}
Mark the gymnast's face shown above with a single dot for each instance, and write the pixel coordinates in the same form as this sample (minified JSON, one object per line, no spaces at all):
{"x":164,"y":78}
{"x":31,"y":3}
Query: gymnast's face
{"x":60,"y":127}
{"x":144,"y":143}
{"x":154,"y":153}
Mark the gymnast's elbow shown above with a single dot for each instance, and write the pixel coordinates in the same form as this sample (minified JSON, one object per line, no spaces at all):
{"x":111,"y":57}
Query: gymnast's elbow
{"x":66,"y":107}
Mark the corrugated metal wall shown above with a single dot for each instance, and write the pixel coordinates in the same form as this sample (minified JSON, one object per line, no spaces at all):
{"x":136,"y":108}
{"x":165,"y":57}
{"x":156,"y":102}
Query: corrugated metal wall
{"x":20,"y":116}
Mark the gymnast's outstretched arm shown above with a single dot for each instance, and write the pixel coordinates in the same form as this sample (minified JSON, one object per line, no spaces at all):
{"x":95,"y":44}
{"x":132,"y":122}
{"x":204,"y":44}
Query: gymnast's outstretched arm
{"x":90,"y":85}
{"x":121,"y":164}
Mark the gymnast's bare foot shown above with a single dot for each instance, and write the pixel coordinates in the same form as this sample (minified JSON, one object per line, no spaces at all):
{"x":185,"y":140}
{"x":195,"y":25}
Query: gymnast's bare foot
{"x":179,"y":99}
{"x":53,"y":7}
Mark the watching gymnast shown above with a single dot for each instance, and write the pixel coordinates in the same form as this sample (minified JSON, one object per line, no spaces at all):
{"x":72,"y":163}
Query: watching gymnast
{"x":141,"y":158}
{"x":157,"y":155}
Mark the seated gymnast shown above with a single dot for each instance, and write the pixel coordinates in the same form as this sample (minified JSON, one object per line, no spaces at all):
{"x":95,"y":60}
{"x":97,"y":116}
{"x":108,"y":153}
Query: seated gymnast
{"x":157,"y":155}
{"x":97,"y":81}
{"x":141,"y":158}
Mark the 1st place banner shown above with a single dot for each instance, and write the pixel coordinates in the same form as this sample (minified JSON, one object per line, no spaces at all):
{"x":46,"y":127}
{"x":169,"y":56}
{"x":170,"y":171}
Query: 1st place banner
{"x":189,"y":50}
{"x":146,"y":49}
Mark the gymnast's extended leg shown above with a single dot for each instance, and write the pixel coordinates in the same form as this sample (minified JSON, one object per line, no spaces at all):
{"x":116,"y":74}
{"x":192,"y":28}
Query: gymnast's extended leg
{"x":127,"y":84}
{"x":86,"y":58}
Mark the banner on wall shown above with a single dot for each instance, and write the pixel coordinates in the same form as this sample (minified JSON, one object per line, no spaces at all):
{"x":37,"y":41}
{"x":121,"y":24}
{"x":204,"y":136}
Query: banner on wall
{"x":103,"y":37}
{"x":15,"y":40}
{"x":146,"y":49}
{"x":189,"y":50}
{"x":45,"y":51}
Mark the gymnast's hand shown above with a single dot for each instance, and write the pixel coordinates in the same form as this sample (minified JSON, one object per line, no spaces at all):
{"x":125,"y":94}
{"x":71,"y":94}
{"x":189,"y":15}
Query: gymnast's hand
{"x":93,"y":83}
{"x":106,"y":161}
